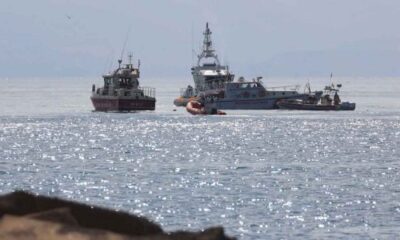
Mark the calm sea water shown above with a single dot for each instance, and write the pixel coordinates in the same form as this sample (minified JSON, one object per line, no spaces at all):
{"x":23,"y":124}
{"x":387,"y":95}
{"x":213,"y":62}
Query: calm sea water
{"x":261,"y":174}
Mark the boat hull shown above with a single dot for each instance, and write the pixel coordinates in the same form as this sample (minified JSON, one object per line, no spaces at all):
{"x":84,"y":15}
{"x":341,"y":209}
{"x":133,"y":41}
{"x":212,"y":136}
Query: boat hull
{"x":317,"y":107}
{"x":122,"y":105}
{"x":252,"y":104}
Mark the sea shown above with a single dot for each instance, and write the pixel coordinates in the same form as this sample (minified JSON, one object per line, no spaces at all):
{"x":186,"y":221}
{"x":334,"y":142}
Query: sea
{"x":267,"y":174}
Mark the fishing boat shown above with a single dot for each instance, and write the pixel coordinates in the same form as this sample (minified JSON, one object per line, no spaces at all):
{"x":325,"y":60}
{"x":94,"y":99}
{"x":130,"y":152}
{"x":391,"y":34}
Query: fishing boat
{"x":325,"y":103}
{"x":121,"y":91}
{"x":208,"y":74}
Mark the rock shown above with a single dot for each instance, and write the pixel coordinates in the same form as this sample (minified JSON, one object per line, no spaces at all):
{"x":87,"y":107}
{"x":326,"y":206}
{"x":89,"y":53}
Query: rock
{"x":22,"y":203}
{"x":26,"y":216}
{"x":23,"y":228}
{"x":60,"y":215}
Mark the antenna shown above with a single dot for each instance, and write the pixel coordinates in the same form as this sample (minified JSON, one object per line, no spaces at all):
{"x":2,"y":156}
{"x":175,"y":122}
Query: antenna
{"x":130,"y":55}
{"x":207,"y":50}
{"x":307,"y":86}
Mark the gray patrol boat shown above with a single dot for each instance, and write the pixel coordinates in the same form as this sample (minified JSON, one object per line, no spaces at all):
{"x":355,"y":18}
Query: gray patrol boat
{"x":250,"y":95}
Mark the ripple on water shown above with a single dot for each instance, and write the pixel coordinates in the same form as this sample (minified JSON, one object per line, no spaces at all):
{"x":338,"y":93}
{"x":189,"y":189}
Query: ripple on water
{"x":262,"y":176}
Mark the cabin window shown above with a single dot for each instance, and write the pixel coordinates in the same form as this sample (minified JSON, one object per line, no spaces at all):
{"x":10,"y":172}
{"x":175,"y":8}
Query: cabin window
{"x":107,"y":82}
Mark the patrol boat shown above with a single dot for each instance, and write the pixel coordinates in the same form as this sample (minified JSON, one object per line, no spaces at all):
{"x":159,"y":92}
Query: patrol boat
{"x":207,"y":75}
{"x":121,"y":91}
{"x":250,"y":95}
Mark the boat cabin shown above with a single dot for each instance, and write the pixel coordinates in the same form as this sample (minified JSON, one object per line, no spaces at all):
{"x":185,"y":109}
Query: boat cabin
{"x":256,"y":90}
{"x":123,"y":77}
{"x":124,"y":81}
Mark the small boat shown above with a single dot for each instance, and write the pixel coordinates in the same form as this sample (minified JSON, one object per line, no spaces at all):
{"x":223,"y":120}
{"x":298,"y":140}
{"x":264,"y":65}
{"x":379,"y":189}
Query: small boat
{"x":300,"y":105}
{"x":347,"y":106}
{"x":197,"y":108}
{"x":325,"y":103}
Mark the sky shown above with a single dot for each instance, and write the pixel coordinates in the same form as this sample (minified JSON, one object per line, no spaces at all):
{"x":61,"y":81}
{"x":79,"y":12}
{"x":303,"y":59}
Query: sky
{"x":78,"y":38}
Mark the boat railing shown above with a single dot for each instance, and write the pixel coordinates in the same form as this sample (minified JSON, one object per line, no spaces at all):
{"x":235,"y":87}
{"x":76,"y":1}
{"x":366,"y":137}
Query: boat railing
{"x":148,"y":91}
{"x":285,"y":88}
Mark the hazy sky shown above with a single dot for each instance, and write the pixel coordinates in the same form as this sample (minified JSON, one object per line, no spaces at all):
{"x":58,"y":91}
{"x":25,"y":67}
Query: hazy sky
{"x":256,"y":37}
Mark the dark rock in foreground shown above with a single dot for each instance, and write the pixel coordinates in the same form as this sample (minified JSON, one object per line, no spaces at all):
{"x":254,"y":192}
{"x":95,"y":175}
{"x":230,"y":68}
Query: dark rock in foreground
{"x":26,"y":216}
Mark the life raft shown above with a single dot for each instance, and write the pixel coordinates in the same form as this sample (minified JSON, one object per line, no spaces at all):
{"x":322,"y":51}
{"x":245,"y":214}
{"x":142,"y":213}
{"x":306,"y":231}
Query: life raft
{"x":197,"y":108}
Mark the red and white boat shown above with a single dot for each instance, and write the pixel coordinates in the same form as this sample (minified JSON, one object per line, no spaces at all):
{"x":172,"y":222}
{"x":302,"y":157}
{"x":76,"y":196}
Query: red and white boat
{"x":121,"y":91}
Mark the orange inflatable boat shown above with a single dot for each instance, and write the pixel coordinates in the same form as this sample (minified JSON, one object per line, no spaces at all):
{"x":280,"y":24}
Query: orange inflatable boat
{"x":197,"y":108}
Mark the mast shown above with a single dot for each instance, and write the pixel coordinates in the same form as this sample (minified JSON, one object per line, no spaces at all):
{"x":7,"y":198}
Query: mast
{"x":208,"y":51}
{"x":130,"y":58}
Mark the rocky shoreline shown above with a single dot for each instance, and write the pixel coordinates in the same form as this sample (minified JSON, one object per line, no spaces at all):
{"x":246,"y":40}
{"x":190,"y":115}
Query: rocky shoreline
{"x":24,"y":215}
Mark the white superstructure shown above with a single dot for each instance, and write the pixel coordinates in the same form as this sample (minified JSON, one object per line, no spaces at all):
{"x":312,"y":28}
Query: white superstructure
{"x":208,"y":74}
